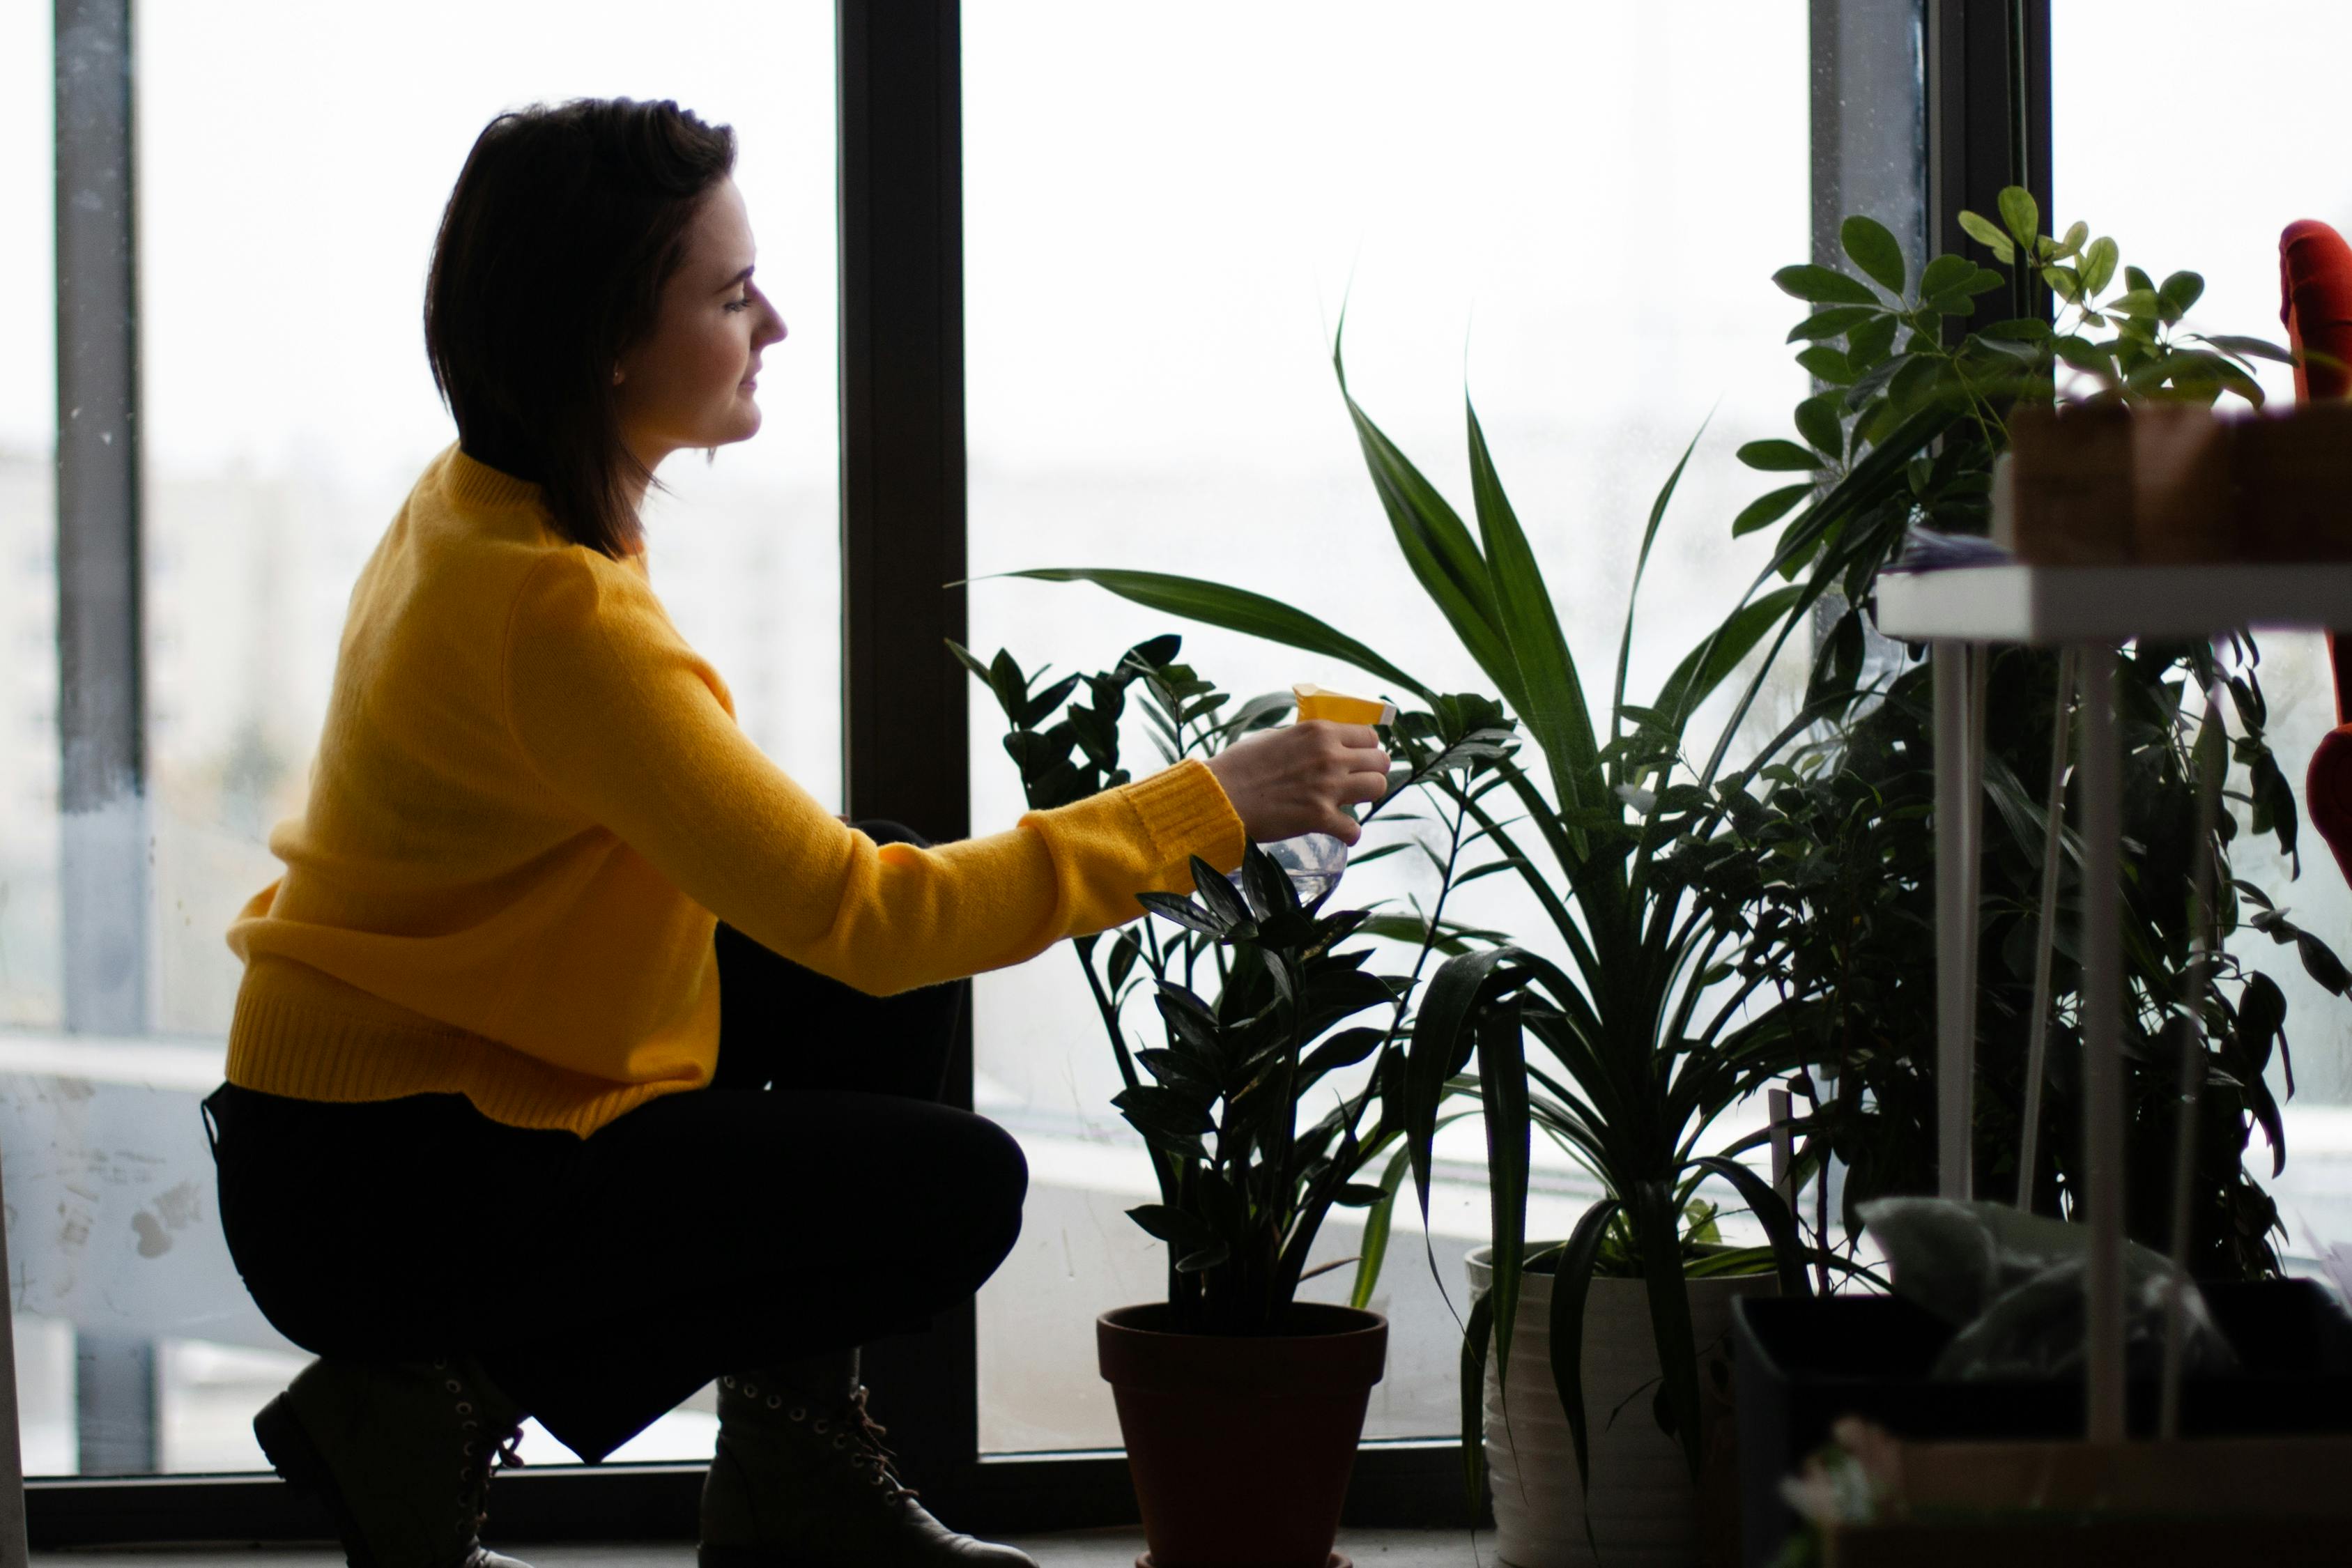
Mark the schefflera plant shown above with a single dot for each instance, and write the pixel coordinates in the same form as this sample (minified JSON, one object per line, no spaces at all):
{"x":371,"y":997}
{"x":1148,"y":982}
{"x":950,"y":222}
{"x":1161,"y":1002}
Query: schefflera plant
{"x":1257,"y":1006}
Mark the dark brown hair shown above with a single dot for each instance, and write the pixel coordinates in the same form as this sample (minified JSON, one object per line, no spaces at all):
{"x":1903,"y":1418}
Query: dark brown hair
{"x":563,"y":227}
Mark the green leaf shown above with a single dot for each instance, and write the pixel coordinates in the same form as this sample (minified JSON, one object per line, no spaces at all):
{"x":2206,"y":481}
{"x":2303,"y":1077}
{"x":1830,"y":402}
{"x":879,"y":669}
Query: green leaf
{"x":1818,"y":422}
{"x":1165,"y":1115}
{"x":1570,"y":1285}
{"x":1440,"y":1046}
{"x":1870,"y":247}
{"x":1236,"y":610}
{"x":2248,"y":348}
{"x":1778,"y":456}
{"x":1374,"y":1248}
{"x":1945,"y":274}
{"x":1475,"y":1332}
{"x":1186,"y":1232}
{"x":2072,"y":243}
{"x":1826,"y":364}
{"x":1503,"y":1095}
{"x":1829,"y":323}
{"x":1551,"y":693}
{"x":1988,"y":235}
{"x":2021,"y":214}
{"x":1767,"y":509}
{"x":1871,"y":341}
{"x":1443,"y":556}
{"x":2019,"y":330}
{"x":1770,"y":1211}
{"x":1823,"y":285}
{"x":1656,"y":1218}
{"x":2098,"y":269}
{"x":2177,"y":293}
{"x":1707,"y":667}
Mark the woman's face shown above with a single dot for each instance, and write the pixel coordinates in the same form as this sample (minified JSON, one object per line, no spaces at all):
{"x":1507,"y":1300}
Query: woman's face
{"x":690,"y":380}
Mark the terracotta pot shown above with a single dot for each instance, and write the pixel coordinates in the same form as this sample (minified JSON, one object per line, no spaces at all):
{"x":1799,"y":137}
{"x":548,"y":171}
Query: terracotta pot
{"x":1240,"y":1449}
{"x":1643,"y":1510}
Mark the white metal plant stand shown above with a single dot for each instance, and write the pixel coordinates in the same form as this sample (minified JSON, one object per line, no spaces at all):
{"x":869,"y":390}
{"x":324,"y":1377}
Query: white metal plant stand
{"x":1961,"y":611}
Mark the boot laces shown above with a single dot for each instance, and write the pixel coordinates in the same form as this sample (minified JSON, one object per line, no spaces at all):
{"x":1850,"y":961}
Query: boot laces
{"x":502,"y":1455}
{"x":865,"y":1435}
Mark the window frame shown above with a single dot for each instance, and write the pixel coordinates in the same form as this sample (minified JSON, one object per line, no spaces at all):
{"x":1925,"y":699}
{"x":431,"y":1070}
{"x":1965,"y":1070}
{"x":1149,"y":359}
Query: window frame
{"x":904,"y":704}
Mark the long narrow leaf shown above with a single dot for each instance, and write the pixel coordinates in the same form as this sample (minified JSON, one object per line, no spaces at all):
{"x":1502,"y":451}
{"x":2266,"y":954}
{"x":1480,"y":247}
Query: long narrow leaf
{"x":1642,"y":566}
{"x":1439,"y":1049}
{"x":1475,"y":1334}
{"x":1780,"y":1225}
{"x":1707,"y":666}
{"x":1551,"y":698}
{"x":1436,"y":544}
{"x":1236,"y":609}
{"x":1374,"y":1250}
{"x":1503,"y":1091}
{"x":1570,"y":1288}
{"x":1656,"y":1219}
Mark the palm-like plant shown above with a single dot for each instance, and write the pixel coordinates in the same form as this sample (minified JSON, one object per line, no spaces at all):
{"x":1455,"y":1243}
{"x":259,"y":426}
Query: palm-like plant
{"x":1644,"y":1032}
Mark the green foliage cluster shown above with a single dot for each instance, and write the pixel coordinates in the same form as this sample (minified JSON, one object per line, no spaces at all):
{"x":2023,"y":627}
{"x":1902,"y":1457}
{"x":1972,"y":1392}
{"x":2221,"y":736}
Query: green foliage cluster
{"x":1711,"y":926}
{"x":1249,"y":990}
{"x":1830,"y":862}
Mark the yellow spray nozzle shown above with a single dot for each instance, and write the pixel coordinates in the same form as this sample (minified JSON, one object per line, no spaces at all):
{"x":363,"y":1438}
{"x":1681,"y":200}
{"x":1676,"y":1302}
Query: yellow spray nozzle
{"x":1314,"y":702}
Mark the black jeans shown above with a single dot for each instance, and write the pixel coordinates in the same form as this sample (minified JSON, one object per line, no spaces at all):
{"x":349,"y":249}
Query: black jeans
{"x":812,"y":1197}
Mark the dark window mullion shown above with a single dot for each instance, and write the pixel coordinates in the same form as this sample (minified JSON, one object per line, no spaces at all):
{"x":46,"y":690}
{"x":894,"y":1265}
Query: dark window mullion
{"x":902,"y":541}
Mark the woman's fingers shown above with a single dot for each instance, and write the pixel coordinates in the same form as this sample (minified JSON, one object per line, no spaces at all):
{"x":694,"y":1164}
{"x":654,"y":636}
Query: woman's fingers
{"x":1304,"y":779}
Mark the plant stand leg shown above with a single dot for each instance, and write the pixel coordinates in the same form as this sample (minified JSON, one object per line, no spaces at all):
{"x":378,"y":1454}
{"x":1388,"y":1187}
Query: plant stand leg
{"x":2103,"y":1097}
{"x":1958,"y":784}
{"x":2053,"y":855}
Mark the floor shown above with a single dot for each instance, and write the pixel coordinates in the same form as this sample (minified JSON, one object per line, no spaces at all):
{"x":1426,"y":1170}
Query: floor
{"x":1117,"y":1549}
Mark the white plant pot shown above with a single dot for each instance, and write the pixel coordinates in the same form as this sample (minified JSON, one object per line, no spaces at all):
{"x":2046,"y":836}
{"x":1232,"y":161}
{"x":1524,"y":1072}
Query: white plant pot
{"x":1644,"y":1512}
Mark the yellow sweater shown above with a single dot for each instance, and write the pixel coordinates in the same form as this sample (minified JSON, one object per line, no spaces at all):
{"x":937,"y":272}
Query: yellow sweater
{"x":530,"y":806}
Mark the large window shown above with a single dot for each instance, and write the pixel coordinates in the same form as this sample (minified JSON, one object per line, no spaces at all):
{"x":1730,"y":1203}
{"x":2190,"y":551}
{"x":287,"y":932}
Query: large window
{"x":293,"y":161}
{"x":1578,"y":208}
{"x":2176,"y":194}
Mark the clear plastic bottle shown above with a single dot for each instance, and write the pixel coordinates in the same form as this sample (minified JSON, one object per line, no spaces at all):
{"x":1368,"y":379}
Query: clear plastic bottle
{"x":1315,"y":860}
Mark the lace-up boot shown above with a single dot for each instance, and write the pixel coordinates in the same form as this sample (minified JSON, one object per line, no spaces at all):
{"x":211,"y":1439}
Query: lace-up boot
{"x":402,"y":1455}
{"x":801,"y":1479}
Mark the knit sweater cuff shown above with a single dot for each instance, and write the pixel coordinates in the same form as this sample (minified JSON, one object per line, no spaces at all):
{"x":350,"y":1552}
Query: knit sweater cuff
{"x":1185,"y":811}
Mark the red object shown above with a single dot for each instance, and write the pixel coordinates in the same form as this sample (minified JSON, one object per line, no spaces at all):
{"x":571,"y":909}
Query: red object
{"x":2316,"y":303}
{"x":1240,"y":1449}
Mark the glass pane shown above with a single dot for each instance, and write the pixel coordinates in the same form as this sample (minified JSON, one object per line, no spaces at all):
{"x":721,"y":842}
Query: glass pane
{"x":2176,"y":195}
{"x":1161,"y":225}
{"x":286,"y":215}
{"x":29,"y":551}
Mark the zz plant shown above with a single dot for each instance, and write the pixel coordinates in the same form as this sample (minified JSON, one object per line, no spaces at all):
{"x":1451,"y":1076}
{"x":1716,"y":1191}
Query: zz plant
{"x":1259,"y":1008}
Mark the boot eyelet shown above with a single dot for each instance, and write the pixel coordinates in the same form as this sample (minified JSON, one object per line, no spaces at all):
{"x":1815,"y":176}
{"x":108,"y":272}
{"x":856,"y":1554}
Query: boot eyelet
{"x":798,"y":1413}
{"x":825,"y":1426}
{"x":469,"y":1450}
{"x":775,"y":1402}
{"x":842,"y":1441}
{"x":463,"y":1408}
{"x":454,"y":1386}
{"x":470,"y":1427}
{"x":751,"y":1390}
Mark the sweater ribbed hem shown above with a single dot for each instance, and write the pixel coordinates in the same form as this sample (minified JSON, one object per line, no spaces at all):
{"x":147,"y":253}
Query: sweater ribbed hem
{"x":305,"y":1036}
{"x":1185,"y":811}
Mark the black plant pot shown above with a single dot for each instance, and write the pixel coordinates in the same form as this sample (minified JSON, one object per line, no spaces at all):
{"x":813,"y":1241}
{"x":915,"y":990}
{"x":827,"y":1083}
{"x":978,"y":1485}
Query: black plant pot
{"x":1799,"y":1363}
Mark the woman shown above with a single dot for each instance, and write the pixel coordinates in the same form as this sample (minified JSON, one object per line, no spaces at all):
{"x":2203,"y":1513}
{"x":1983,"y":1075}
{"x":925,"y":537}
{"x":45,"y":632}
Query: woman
{"x":514,"y":1124}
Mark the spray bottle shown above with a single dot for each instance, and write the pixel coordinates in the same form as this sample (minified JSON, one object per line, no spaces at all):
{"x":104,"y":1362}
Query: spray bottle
{"x":1315,"y":860}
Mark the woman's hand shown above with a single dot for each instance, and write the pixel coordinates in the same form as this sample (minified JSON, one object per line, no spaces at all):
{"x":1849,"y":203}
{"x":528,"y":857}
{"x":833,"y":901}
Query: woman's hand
{"x":1302,"y":778}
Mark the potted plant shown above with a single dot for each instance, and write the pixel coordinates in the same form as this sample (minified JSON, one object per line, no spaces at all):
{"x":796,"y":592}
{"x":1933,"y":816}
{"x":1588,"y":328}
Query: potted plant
{"x":1240,"y":1404}
{"x":1644,"y":1032}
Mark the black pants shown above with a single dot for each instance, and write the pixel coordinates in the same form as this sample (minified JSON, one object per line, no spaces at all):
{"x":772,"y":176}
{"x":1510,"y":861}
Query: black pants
{"x":813,"y":1197}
